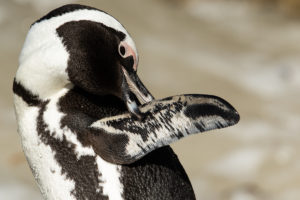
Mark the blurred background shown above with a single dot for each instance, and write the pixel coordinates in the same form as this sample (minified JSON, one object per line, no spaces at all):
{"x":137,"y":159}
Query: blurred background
{"x":247,"y":52}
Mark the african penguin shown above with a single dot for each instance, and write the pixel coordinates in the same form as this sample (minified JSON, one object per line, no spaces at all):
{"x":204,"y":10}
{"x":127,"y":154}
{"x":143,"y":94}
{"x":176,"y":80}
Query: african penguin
{"x":89,"y":127}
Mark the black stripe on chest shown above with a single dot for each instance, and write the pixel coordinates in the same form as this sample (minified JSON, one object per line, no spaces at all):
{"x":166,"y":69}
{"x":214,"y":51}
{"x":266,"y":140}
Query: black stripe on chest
{"x":84,"y":171}
{"x":26,"y":95}
{"x":80,"y":109}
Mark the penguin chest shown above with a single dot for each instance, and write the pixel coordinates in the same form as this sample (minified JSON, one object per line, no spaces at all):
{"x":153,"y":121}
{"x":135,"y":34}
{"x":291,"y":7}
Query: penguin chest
{"x":40,"y":156}
{"x":63,"y":167}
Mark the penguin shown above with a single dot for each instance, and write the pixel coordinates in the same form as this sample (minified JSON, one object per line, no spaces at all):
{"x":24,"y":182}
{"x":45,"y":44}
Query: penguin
{"x":89,"y":127}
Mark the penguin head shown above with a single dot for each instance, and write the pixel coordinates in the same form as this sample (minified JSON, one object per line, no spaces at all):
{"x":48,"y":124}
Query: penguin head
{"x":77,"y":45}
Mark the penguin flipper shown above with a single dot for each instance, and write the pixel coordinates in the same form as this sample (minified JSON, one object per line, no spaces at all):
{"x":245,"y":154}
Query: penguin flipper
{"x":125,"y":139}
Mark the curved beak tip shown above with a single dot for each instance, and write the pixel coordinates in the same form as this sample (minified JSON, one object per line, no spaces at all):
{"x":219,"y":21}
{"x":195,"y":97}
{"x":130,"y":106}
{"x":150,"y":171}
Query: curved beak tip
{"x":134,"y":93}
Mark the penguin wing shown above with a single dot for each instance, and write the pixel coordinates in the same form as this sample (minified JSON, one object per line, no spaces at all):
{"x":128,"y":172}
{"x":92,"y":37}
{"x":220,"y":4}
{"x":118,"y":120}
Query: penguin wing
{"x":125,"y":139}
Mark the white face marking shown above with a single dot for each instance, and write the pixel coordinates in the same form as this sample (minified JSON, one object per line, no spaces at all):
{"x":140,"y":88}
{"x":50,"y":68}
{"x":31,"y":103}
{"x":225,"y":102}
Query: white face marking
{"x":43,"y":60}
{"x":43,"y":63}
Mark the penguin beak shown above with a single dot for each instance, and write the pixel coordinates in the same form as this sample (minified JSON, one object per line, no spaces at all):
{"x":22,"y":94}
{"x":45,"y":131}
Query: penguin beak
{"x":134,"y":93}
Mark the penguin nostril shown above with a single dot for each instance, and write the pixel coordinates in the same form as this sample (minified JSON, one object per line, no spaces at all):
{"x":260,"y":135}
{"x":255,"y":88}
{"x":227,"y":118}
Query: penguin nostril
{"x":122,"y":50}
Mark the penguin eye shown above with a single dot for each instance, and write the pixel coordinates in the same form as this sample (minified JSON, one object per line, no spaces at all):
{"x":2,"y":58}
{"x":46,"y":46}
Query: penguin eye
{"x":122,"y":50}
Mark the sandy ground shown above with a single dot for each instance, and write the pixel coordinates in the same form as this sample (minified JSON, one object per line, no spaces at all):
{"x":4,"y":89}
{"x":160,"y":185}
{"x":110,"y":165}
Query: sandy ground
{"x":246,"y":54}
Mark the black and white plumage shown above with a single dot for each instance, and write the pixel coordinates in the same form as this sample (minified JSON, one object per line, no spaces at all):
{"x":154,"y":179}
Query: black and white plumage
{"x":89,"y":127}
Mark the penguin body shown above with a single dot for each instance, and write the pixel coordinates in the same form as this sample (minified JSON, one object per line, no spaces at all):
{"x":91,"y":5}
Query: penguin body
{"x":89,"y":127}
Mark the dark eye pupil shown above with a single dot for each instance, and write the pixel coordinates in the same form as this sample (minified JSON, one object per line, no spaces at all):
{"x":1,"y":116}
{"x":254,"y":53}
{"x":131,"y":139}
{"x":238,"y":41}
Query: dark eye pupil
{"x":122,"y":50}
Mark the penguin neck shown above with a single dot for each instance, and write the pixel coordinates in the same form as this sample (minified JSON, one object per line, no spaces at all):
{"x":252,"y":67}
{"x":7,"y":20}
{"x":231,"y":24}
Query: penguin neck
{"x":64,"y":167}
{"x":41,"y":80}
